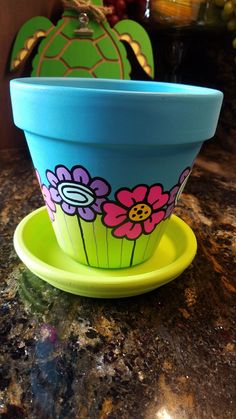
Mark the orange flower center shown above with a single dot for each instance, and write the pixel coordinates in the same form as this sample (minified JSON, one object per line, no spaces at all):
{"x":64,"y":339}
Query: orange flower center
{"x":140,"y":212}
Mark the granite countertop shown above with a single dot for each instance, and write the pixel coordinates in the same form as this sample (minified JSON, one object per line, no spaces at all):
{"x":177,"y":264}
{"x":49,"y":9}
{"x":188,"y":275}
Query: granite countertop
{"x":169,"y":354}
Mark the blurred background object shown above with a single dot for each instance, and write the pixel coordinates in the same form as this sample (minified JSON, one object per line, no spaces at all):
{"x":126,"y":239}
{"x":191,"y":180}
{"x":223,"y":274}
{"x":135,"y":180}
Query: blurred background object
{"x":181,"y":30}
{"x":82,"y":44}
{"x":12,"y":16}
{"x":192,"y":42}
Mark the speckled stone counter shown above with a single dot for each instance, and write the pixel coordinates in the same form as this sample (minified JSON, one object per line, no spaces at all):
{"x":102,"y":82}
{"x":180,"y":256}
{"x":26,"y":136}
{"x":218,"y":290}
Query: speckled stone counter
{"x":169,"y":354}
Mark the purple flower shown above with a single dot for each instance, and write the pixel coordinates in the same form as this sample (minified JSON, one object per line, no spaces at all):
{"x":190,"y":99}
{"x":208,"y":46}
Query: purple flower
{"x":176,"y":191}
{"x":77,"y":192}
{"x":51,"y":208}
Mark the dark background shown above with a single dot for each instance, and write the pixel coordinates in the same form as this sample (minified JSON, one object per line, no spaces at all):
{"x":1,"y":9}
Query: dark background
{"x":13,"y":13}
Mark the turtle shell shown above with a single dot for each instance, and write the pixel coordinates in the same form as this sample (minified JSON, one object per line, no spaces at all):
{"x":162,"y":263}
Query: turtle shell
{"x":64,"y":53}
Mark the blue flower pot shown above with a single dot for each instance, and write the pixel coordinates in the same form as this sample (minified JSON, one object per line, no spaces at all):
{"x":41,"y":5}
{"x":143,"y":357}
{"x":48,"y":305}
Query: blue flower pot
{"x":112,"y":157}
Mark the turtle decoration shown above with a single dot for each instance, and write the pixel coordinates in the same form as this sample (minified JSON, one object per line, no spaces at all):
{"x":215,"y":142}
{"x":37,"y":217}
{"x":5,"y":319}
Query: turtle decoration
{"x":82,"y":44}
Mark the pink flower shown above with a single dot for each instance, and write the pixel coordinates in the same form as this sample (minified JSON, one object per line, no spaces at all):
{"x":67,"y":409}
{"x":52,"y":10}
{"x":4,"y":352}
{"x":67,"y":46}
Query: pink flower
{"x":136,"y":211}
{"x":51,"y":208}
{"x":176,"y":191}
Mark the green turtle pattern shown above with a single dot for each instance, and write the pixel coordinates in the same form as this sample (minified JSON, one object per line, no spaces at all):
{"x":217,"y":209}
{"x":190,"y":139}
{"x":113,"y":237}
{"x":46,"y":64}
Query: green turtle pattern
{"x":74,"y":48}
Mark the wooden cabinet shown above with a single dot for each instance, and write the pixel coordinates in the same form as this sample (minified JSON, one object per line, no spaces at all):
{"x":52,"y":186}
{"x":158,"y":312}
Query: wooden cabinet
{"x":12,"y":16}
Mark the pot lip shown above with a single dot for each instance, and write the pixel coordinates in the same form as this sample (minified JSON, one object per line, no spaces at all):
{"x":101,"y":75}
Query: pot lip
{"x":90,"y":110}
{"x":151,"y":89}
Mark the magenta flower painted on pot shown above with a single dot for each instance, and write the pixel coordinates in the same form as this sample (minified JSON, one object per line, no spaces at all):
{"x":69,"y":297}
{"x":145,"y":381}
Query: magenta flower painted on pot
{"x":135,"y":212}
{"x":176,"y":191}
{"x":51,"y":208}
{"x":76,"y":192}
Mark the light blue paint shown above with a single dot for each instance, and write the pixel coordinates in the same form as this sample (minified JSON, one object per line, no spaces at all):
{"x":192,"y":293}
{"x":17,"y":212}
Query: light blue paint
{"x":127,"y":132}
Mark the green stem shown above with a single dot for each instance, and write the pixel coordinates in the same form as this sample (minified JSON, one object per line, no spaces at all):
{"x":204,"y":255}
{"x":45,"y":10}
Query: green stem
{"x":95,"y":241}
{"x":107,"y":247}
{"x":132,"y":254}
{"x":83,"y":239}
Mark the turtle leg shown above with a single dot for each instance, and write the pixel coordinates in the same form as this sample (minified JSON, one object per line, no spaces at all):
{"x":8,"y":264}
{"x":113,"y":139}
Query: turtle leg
{"x":27,"y":37}
{"x":136,"y":36}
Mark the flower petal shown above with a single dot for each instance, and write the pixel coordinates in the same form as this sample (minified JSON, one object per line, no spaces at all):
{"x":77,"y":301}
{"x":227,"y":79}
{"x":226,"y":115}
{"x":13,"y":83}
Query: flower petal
{"x":68,"y":209}
{"x":100,"y":187}
{"x":154,"y":219}
{"x":38,"y":176}
{"x":115,"y":215}
{"x":86,"y":213}
{"x":46,"y":193}
{"x":130,"y":230}
{"x":52,"y":178}
{"x":129,"y":197}
{"x":63,"y":173}
{"x":184,"y":174}
{"x":97,"y":205}
{"x":50,"y":213}
{"x":56,"y":197}
{"x":47,"y":198}
{"x":184,"y":178}
{"x":169,"y":210}
{"x":173,"y":192}
{"x":80,"y":175}
{"x":156,"y":197}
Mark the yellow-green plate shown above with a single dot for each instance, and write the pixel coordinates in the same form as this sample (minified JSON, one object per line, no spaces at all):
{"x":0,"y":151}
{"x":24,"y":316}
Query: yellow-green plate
{"x":35,"y":244}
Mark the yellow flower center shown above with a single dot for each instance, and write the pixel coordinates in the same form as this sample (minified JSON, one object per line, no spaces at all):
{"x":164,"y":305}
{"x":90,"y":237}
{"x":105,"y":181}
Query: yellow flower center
{"x":140,"y":212}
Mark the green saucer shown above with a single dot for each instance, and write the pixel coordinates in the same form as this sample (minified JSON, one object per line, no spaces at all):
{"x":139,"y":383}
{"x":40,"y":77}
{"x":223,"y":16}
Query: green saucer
{"x":36,"y":246}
